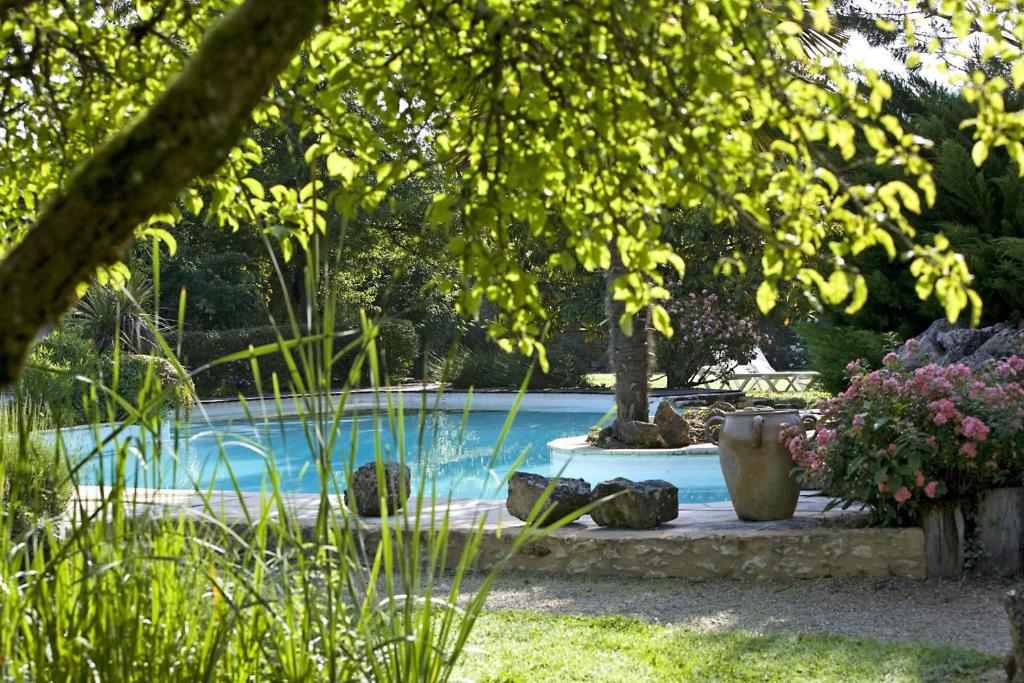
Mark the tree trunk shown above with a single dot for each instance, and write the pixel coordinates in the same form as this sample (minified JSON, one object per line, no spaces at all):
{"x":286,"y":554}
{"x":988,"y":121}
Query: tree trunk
{"x":630,"y":355}
{"x":187,"y":133}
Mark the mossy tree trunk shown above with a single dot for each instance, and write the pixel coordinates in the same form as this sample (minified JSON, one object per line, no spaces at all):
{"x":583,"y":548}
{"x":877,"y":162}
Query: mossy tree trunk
{"x":630,"y":355}
{"x":187,"y":133}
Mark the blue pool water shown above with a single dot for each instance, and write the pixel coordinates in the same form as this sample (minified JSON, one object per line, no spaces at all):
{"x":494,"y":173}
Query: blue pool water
{"x":210,"y":453}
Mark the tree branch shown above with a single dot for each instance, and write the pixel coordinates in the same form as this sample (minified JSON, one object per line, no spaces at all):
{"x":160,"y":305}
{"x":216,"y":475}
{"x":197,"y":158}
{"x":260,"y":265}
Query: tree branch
{"x":188,"y":132}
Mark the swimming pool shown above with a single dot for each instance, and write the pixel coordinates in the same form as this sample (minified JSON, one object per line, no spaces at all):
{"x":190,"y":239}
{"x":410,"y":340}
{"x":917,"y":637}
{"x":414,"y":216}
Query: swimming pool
{"x":458,"y":466}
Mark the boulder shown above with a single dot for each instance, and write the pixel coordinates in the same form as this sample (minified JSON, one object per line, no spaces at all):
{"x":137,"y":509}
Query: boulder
{"x":525,"y":489}
{"x":946,"y":344}
{"x":1005,"y":342}
{"x":637,"y":434}
{"x":721,"y":408}
{"x":644,"y":505}
{"x":674,"y":430}
{"x":363,"y":494}
{"x":603,"y":438}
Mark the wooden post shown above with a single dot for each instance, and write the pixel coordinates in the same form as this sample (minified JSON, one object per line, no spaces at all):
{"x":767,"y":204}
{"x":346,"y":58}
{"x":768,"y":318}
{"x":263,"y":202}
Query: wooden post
{"x":1014,"y":663}
{"x":1001,"y":530}
{"x":944,"y":541}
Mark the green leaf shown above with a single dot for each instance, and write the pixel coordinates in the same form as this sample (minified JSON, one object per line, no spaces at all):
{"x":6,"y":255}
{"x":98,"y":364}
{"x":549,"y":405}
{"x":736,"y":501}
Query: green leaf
{"x":979,"y":152}
{"x":255,"y":187}
{"x":341,"y":165}
{"x":164,"y":236}
{"x":767,"y":296}
{"x":661,"y":319}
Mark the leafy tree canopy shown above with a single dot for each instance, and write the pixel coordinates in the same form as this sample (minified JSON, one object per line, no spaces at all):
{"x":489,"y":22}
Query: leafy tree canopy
{"x":598,"y":113}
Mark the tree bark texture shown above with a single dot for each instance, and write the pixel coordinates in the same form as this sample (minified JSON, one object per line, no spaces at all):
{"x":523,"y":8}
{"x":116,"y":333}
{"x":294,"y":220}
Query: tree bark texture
{"x":630,"y":355}
{"x":187,"y":133}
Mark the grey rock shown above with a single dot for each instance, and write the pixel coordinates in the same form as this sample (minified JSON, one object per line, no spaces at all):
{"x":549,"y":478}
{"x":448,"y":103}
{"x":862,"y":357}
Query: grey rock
{"x":644,"y":505}
{"x":567,"y":497}
{"x":721,"y":408}
{"x":636,"y":434}
{"x":364,"y":494}
{"x":946,"y":344}
{"x":1005,"y":342}
{"x":603,"y":438}
{"x":674,"y":430}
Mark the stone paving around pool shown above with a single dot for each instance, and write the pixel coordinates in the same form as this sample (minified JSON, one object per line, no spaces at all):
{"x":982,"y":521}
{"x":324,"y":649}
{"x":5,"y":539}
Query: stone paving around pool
{"x":705,"y":541}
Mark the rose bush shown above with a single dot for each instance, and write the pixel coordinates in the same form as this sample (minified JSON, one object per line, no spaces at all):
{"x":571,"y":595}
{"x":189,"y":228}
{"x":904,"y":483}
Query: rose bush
{"x":896,"y":439}
{"x":711,"y":338}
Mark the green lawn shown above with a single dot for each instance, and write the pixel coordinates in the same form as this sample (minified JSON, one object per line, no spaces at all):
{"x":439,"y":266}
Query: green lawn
{"x":529,"y":647}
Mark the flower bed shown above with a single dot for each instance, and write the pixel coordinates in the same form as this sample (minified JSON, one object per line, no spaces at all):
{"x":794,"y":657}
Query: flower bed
{"x":711,"y":337}
{"x":898,"y":440}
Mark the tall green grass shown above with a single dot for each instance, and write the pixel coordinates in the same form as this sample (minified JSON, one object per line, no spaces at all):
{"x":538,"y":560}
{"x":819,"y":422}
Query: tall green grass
{"x":119,"y":590}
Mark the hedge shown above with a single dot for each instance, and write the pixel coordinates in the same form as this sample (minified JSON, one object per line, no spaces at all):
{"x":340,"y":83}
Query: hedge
{"x":571,"y":356}
{"x":397,"y":344}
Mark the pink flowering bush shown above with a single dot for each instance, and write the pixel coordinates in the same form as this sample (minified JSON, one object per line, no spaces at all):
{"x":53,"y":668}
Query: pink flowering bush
{"x":710,"y":337}
{"x":897,"y":440}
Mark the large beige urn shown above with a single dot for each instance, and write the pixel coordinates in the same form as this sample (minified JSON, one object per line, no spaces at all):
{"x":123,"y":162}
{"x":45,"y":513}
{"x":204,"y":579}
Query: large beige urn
{"x":756,"y":465}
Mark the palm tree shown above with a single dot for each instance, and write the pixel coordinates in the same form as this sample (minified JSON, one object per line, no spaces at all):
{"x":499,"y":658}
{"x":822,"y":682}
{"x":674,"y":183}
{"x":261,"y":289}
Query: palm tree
{"x":630,"y":354}
{"x":108,"y":312}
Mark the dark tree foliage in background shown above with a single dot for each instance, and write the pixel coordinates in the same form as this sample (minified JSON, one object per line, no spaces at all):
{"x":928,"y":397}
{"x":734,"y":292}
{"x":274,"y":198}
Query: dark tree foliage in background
{"x":979,"y":209}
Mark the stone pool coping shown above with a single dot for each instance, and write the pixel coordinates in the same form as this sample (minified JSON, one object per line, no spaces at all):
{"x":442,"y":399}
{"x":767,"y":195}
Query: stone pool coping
{"x":578,"y":446}
{"x":705,"y":541}
{"x":433,"y":395}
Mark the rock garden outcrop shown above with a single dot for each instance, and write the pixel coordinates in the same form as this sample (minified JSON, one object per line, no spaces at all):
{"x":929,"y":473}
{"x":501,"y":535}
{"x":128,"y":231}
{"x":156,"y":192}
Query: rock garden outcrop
{"x":674,"y":430}
{"x":945,"y":344}
{"x":639,"y":505}
{"x":668,"y":429}
{"x":567,"y":497}
{"x":364,"y":495}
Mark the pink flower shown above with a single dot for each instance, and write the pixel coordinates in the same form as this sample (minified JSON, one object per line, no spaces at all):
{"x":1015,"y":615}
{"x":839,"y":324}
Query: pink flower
{"x":902,"y":495}
{"x":931,"y":488}
{"x":854,"y":366}
{"x":858,"y":421}
{"x":973,"y":428}
{"x":883,"y":484}
{"x":930,"y":441}
{"x":919,"y":479}
{"x":943,"y":411}
{"x":969,"y":449}
{"x":824,"y":437}
{"x":890,"y":359}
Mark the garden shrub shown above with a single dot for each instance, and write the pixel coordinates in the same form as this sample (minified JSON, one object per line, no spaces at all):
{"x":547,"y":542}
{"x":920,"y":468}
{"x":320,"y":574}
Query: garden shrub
{"x":830,"y":349}
{"x":710,"y":338}
{"x":898,"y":440}
{"x":49,"y":379}
{"x":35,"y":482}
{"x":570,"y":358}
{"x":132,"y":374}
{"x":398,"y":344}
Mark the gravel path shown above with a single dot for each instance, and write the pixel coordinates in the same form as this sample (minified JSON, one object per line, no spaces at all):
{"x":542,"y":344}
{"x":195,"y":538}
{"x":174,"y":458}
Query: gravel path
{"x":968,"y":612}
